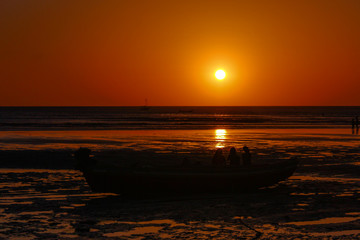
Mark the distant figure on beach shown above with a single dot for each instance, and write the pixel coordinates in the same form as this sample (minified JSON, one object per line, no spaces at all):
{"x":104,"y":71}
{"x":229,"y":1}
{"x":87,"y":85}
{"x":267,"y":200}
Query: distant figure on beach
{"x":233,"y":158}
{"x":357,"y":122}
{"x":246,"y":156}
{"x":218,"y":159}
{"x":353,"y":123}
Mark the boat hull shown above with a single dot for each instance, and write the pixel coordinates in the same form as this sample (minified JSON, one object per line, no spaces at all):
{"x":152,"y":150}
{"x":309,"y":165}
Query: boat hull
{"x":188,"y":180}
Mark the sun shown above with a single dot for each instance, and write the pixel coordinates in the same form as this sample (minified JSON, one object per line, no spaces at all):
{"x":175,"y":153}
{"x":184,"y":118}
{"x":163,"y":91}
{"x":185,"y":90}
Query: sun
{"x":220,"y":74}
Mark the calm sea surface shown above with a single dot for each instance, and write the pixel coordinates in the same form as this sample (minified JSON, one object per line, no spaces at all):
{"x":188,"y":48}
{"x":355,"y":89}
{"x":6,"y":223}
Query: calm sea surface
{"x":129,"y":118}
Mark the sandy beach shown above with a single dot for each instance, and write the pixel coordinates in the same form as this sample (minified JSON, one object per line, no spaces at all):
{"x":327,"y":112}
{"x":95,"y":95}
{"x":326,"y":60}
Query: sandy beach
{"x":320,"y":201}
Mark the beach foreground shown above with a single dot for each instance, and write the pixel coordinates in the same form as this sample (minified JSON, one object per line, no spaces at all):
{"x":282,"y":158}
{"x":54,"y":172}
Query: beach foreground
{"x":321,"y":200}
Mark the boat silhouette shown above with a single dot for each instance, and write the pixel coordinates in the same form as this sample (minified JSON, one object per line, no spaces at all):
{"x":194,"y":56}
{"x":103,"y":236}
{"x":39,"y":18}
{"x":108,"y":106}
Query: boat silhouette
{"x":192,"y":179}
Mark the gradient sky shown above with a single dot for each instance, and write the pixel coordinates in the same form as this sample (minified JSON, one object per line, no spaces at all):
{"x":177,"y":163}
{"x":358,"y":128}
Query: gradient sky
{"x":117,"y":53}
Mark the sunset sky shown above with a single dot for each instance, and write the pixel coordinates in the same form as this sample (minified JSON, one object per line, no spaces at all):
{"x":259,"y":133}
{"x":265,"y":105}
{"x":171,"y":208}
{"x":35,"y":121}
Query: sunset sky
{"x":117,"y":53}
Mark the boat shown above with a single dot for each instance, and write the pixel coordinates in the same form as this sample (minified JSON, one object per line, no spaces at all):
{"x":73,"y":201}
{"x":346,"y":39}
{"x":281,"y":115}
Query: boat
{"x":195,"y":179}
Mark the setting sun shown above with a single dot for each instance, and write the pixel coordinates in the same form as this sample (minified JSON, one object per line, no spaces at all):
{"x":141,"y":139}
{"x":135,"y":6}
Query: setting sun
{"x":220,"y":74}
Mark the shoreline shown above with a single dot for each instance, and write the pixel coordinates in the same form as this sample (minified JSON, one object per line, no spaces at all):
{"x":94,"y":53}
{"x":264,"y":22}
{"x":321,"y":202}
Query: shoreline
{"x":54,"y":149}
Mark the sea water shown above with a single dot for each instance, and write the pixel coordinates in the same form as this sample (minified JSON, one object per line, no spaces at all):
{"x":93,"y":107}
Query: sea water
{"x":172,"y":129}
{"x":129,"y":118}
{"x":171,"y":133}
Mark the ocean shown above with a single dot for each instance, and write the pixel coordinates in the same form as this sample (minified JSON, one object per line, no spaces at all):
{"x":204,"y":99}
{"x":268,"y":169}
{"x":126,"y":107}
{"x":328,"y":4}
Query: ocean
{"x":132,"y":118}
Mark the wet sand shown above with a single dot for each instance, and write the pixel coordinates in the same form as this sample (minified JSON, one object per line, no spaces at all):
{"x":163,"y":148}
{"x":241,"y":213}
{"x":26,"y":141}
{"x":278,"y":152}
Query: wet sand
{"x":321,"y":200}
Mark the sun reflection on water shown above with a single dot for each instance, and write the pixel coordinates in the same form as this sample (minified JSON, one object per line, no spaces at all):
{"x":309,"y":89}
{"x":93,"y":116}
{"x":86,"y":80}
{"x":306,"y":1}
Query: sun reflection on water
{"x":220,"y":136}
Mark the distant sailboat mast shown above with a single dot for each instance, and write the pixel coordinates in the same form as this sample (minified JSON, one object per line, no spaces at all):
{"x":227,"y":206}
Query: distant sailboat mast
{"x":146,"y":107}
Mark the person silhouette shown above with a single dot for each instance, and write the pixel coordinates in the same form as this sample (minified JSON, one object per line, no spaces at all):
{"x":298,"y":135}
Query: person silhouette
{"x":353,"y":123}
{"x":357,"y":122}
{"x":233,"y":158}
{"x":218,"y":159}
{"x":246,"y":156}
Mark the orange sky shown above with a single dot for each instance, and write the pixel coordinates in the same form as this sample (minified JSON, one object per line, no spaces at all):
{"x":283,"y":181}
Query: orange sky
{"x":117,"y":53}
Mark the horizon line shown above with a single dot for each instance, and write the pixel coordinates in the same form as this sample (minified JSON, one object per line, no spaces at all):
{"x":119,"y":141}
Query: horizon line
{"x":150,"y":106}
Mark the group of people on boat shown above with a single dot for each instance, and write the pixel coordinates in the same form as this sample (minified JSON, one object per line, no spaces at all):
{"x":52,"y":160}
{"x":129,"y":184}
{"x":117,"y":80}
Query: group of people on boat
{"x":233,"y":158}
